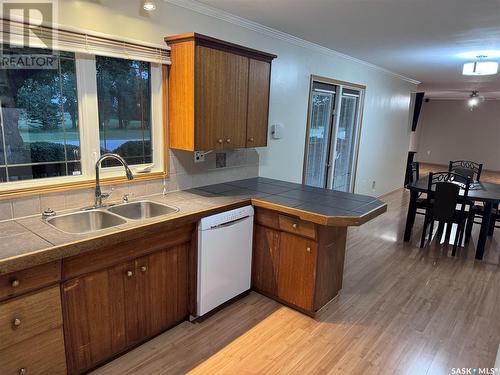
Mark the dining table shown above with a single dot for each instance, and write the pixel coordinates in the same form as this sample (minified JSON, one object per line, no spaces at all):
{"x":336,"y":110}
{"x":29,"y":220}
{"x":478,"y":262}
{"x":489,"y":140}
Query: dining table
{"x":486,"y":192}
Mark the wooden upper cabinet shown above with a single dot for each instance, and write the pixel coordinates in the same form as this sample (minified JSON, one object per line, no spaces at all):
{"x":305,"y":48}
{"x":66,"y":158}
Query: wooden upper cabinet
{"x":218,"y":94}
{"x":259,"y":76}
{"x":221,"y":80}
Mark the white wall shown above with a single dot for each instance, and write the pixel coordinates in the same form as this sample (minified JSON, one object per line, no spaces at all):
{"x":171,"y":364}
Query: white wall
{"x":449,"y":130}
{"x":385,"y":134}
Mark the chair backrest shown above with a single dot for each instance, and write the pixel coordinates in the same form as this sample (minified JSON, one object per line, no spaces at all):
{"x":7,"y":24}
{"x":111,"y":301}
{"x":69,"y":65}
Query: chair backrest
{"x":466,"y":168}
{"x":444,"y":188}
{"x":445,"y":201}
{"x":413,"y":172}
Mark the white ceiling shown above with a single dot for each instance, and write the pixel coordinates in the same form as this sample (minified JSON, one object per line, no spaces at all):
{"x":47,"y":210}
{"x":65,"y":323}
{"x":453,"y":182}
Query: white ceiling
{"x":427,"y":40}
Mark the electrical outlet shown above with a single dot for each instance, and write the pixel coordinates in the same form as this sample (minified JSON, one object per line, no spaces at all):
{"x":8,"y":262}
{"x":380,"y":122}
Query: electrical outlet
{"x":220,"y":160}
{"x":199,"y":156}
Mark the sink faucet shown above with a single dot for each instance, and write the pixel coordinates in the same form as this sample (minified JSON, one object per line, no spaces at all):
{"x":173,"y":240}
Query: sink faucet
{"x":98,"y":192}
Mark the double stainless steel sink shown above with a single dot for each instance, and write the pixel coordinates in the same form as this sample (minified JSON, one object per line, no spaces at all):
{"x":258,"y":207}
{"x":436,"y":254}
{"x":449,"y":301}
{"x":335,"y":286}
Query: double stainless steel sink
{"x":87,"y":221}
{"x":141,"y":210}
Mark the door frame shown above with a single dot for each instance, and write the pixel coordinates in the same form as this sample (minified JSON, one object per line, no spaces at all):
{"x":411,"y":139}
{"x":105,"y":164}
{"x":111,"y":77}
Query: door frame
{"x":340,"y":84}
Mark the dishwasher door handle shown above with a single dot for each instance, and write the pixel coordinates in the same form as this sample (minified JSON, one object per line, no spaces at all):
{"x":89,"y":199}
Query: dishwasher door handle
{"x":229,"y":223}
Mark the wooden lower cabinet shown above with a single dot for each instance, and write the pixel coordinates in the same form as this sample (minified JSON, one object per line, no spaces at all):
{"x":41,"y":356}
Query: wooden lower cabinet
{"x":24,"y":317}
{"x":284,"y":265}
{"x":29,"y":279}
{"x":162,"y":289}
{"x":96,"y":322}
{"x":266,"y":257}
{"x":297,"y":270}
{"x":42,"y":354}
{"x":31,"y":334}
{"x":111,"y":310}
{"x":297,"y":262}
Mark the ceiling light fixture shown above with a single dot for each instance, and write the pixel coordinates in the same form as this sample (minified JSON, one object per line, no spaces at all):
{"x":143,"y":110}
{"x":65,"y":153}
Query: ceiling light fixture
{"x":149,"y":5}
{"x":474,"y":100}
{"x":480,"y":67}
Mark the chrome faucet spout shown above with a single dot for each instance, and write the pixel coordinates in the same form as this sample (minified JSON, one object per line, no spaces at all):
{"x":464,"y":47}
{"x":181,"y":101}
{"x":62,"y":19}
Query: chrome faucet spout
{"x":98,"y":192}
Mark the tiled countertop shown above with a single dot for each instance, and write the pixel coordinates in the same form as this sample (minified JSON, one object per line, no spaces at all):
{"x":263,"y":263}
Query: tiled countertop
{"x":30,"y":241}
{"x":321,"y":206}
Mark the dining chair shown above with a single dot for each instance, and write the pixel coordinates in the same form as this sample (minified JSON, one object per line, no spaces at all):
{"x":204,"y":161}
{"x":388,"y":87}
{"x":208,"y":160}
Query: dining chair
{"x":476,"y":211}
{"x":443,"y":198}
{"x":466,"y":168}
{"x":475,"y":216}
{"x":413,"y":176}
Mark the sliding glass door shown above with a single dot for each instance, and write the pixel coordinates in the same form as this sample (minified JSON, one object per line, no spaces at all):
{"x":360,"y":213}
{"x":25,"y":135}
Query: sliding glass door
{"x":332,"y":136}
{"x":346,"y":141}
{"x":318,"y":137}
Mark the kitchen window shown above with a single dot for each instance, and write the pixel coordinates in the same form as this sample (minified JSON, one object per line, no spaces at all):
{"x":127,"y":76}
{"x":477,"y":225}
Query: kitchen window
{"x":124,"y":106}
{"x":39,"y":136}
{"x":55,"y":121}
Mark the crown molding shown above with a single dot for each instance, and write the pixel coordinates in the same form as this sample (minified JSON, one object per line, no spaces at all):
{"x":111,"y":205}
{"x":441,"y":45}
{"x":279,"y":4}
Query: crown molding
{"x":257,"y":27}
{"x":455,"y":98}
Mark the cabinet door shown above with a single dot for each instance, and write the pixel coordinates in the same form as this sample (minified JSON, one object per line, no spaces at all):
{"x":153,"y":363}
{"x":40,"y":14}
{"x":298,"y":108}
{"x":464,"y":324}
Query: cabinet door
{"x":100,"y":316}
{"x":265,"y":259}
{"x":297,"y":270}
{"x":162,"y":288}
{"x":221,"y":99}
{"x":258,"y":103}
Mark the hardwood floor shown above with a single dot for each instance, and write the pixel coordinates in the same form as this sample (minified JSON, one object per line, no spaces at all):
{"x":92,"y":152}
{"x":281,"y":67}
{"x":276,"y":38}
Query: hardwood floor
{"x":403,"y":310}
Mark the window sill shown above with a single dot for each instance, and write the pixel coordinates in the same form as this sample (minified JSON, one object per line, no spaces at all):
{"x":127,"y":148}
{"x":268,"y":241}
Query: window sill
{"x":75,"y":185}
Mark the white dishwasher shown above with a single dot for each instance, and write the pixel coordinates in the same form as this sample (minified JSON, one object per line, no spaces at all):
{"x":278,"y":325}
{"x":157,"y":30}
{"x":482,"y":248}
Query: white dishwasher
{"x":224,"y":257}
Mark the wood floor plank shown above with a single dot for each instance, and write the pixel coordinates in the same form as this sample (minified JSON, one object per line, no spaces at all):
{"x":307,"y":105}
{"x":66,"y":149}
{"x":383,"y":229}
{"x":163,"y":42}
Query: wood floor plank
{"x":402,"y":310}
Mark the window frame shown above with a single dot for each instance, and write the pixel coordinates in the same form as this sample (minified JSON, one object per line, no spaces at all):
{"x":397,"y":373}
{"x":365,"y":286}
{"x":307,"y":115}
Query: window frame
{"x":86,"y":85}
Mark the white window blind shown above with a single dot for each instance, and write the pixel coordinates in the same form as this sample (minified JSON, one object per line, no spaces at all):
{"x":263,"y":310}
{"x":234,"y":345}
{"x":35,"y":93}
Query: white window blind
{"x":74,"y":40}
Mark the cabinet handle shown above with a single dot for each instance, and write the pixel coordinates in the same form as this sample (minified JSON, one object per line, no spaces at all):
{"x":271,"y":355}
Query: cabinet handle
{"x":294,"y":225}
{"x":219,"y":141}
{"x":15,"y":283}
{"x":22,"y":371}
{"x":16,"y":322}
{"x":144,"y":268}
{"x":308,"y":249}
{"x":130,"y":274}
{"x":228,"y":140}
{"x":250,"y":139}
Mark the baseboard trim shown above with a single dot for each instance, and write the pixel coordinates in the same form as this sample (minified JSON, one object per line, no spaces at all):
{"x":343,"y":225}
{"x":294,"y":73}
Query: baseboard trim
{"x":389,"y":193}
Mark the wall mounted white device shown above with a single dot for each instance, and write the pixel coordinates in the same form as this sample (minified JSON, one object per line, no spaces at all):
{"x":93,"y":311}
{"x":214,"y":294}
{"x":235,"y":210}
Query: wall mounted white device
{"x":277,"y":131}
{"x":224,"y":257}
